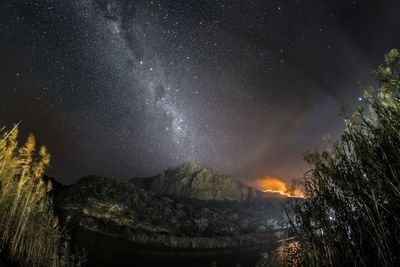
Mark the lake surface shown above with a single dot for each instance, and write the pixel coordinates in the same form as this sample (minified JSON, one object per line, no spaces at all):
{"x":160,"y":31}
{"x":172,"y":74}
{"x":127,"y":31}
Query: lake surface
{"x":109,"y":251}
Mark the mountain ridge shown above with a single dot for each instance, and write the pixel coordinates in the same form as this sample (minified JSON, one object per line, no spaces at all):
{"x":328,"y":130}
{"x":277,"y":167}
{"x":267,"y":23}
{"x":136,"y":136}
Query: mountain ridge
{"x":184,"y":215}
{"x":192,"y":181}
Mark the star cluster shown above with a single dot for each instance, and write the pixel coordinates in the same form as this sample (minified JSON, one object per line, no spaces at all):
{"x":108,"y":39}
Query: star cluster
{"x":128,"y":88}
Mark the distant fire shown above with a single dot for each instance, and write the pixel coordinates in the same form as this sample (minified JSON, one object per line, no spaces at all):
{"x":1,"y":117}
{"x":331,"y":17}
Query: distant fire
{"x":273,"y":185}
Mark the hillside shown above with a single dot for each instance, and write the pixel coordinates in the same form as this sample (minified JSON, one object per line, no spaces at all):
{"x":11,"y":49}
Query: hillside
{"x":189,"y":180}
{"x":187,"y":206}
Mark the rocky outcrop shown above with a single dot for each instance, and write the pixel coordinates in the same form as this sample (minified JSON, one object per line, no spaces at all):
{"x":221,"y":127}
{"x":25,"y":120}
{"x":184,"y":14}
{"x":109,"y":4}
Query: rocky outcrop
{"x":177,"y":212}
{"x":192,"y":181}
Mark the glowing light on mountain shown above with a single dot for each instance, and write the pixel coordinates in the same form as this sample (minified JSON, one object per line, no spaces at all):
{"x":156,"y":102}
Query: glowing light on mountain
{"x":273,"y":185}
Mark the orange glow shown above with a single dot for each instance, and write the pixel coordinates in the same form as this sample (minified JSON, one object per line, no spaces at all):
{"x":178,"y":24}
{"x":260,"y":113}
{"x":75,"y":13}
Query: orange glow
{"x":269,"y":183}
{"x":273,"y":185}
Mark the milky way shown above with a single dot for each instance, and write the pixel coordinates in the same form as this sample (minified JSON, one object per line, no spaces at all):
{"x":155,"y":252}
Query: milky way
{"x":129,"y":88}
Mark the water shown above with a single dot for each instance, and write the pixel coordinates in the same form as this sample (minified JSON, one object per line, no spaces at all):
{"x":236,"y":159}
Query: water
{"x":109,"y":251}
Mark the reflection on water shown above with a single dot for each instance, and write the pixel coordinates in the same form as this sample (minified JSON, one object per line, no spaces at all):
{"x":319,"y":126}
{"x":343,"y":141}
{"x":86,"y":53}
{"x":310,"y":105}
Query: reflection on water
{"x":108,"y":251}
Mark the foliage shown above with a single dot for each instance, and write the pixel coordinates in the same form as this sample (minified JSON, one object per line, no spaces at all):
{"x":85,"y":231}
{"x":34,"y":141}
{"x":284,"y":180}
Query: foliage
{"x":351,"y":214}
{"x":29,"y":231}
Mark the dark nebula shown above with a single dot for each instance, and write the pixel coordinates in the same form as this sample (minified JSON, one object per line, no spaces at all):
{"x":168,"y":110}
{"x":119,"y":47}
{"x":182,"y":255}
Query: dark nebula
{"x":129,"y":88}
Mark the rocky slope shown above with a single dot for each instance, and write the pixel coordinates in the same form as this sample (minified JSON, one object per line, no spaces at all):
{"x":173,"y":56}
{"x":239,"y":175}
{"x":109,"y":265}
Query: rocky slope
{"x":187,"y":207}
{"x":192,"y":181}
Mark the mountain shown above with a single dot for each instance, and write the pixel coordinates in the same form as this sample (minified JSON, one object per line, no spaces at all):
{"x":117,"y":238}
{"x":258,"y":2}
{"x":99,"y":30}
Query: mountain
{"x":186,"y":207}
{"x":192,"y":181}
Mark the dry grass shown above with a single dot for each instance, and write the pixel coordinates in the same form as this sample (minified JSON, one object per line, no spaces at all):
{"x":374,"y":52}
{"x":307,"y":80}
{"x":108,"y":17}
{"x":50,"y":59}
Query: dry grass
{"x":29,"y":231}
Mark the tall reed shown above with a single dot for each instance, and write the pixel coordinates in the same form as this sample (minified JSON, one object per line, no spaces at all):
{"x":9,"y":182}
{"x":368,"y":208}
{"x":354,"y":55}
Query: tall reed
{"x":351,"y":214}
{"x":29,"y":231}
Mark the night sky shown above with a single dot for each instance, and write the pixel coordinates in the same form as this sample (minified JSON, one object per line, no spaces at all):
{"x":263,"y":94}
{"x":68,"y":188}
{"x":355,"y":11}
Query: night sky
{"x":130,"y":88}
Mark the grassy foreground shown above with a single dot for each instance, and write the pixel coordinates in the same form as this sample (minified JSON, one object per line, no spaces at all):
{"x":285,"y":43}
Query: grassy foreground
{"x":29,"y":232}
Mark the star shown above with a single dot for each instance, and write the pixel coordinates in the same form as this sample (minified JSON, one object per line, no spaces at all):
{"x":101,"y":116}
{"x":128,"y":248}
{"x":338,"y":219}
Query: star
{"x":134,"y":87}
